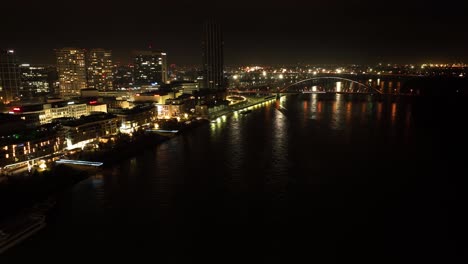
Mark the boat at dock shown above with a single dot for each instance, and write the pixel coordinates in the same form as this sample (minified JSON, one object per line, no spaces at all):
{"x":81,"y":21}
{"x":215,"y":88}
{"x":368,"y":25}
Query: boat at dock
{"x":164,"y":132}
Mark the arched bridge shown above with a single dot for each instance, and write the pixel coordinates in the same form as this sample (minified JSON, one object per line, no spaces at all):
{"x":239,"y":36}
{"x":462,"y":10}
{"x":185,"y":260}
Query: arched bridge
{"x":327,"y":84}
{"x":318,"y":84}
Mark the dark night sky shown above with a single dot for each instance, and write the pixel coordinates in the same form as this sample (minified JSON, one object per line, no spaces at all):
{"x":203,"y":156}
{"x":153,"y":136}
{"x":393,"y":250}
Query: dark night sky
{"x":287,"y":31}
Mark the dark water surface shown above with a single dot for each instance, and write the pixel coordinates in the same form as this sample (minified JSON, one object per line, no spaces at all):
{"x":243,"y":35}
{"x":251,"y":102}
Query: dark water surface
{"x":309,"y":179}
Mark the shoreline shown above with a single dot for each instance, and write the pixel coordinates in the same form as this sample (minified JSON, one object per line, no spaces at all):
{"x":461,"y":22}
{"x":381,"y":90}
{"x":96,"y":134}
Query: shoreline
{"x":40,"y":185}
{"x":244,"y":105}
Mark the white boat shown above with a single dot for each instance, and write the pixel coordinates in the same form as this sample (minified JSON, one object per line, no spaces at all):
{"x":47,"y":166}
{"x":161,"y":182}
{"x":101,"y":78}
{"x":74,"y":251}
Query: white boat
{"x":16,"y":232}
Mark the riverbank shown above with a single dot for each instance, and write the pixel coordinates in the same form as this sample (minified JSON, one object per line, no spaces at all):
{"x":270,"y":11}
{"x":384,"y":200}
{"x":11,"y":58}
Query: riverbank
{"x":26,"y":190}
{"x":251,"y":102}
{"x":23,"y":192}
{"x":129,"y":146}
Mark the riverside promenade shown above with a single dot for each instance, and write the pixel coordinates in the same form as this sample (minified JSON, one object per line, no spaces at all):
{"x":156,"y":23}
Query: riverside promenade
{"x":250,"y":102}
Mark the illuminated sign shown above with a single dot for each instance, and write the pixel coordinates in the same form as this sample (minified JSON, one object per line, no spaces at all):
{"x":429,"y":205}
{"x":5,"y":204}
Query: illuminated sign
{"x":16,"y":109}
{"x":93,"y":102}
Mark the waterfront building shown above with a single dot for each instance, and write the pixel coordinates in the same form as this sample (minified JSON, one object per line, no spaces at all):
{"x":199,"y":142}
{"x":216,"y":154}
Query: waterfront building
{"x":79,"y":132}
{"x":132,"y":119}
{"x":30,"y":144}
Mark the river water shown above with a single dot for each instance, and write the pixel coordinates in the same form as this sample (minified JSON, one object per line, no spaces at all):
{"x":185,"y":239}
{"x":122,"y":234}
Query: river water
{"x":308,"y":178}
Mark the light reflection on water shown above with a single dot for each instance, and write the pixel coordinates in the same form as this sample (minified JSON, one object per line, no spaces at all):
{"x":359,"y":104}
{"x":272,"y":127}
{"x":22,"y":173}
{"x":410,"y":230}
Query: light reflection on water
{"x":314,"y":166}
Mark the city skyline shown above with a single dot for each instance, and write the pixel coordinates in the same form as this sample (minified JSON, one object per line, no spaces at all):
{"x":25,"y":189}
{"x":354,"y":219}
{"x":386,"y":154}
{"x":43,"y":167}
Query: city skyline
{"x":254,"y":33}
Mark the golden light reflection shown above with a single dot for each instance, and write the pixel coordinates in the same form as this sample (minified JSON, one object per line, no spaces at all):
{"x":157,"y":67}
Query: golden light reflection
{"x":408,"y":117}
{"x":379,"y":111}
{"x":348,"y":112}
{"x":314,"y":106}
{"x":393,"y":114}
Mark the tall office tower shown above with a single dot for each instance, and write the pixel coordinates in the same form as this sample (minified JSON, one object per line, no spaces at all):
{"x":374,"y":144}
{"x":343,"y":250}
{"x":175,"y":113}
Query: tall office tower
{"x":99,"y":64}
{"x":35,"y":79}
{"x":53,"y":79}
{"x":10,"y":76}
{"x":212,"y":46}
{"x":72,"y":71}
{"x":123,"y":76}
{"x":150,"y":67}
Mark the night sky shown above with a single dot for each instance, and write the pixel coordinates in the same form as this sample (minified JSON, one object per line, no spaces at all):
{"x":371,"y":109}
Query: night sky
{"x":257,"y":32}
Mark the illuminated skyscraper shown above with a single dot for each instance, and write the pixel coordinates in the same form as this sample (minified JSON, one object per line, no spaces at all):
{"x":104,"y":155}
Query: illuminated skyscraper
{"x":99,"y":64}
{"x":35,"y":79}
{"x":72,"y":71}
{"x":213,"y":62}
{"x":150,"y":67}
{"x":123,"y":76}
{"x":10,"y":76}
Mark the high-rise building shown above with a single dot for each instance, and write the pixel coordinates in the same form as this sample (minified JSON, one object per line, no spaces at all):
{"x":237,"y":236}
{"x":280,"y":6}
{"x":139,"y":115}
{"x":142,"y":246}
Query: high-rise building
{"x":72,"y":71}
{"x":123,"y":76}
{"x":35,"y":79}
{"x":99,"y":64}
{"x":10,"y":77}
{"x":150,"y":67}
{"x":212,"y":46}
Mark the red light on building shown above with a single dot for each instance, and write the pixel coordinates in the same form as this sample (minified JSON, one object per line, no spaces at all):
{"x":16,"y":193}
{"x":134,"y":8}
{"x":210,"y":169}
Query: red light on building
{"x":16,"y":109}
{"x":93,"y":102}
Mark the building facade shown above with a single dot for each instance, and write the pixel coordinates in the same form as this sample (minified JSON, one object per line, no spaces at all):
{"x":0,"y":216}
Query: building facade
{"x":123,"y":76}
{"x":40,"y":114}
{"x":71,"y":70}
{"x":31,"y":144}
{"x":86,"y":129}
{"x":10,"y":76}
{"x":99,"y":69}
{"x":131,"y":120}
{"x":213,"y":60}
{"x":36,"y":79}
{"x":150,"y":68}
